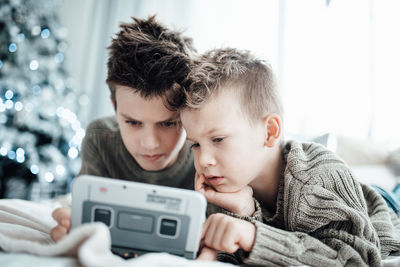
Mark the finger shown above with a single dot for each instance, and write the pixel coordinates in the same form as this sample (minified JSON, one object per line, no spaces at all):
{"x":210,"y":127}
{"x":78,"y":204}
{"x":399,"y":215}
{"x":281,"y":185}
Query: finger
{"x":212,"y":230}
{"x":207,"y":254}
{"x":205,"y":227}
{"x":63,"y":217}
{"x":196,"y":182}
{"x":58,"y":232}
{"x":229,"y":240}
{"x":219,"y":239}
{"x":199,"y":183}
{"x":224,"y":234}
{"x":247,"y":236}
{"x":211,"y":195}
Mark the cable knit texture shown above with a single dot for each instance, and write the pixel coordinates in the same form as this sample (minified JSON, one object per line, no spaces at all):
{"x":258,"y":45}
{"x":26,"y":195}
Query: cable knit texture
{"x":104,"y":154}
{"x":324,"y":216}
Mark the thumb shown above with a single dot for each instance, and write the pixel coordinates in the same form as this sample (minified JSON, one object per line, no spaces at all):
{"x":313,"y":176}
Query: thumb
{"x":207,"y":254}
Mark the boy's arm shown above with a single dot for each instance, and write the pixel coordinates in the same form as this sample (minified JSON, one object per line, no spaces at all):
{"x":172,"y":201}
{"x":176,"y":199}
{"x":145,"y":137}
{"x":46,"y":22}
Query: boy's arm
{"x":92,"y":158}
{"x":330,"y":228}
{"x":327,"y":246}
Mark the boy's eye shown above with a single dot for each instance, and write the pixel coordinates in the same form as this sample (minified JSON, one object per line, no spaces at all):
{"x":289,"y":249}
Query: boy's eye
{"x":168,"y":123}
{"x":218,"y":139}
{"x":195,"y":145}
{"x":133,"y":123}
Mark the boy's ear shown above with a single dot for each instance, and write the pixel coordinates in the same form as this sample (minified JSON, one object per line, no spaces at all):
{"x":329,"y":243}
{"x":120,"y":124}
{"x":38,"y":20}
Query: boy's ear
{"x":273,"y":129}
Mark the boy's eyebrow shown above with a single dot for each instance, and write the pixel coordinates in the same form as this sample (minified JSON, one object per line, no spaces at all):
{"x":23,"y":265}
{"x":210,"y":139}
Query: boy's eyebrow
{"x":212,"y":130}
{"x":172,"y":118}
{"x":207,"y":133}
{"x":189,"y":139}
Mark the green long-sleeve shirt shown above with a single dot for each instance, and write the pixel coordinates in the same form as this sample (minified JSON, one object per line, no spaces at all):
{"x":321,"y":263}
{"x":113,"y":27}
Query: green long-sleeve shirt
{"x":104,"y":154}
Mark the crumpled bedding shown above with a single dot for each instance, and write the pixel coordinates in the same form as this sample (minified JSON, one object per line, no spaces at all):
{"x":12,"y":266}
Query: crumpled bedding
{"x":25,"y":228}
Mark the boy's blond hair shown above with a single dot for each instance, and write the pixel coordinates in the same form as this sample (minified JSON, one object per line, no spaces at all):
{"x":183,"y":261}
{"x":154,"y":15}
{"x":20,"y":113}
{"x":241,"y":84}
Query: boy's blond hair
{"x":230,"y":69}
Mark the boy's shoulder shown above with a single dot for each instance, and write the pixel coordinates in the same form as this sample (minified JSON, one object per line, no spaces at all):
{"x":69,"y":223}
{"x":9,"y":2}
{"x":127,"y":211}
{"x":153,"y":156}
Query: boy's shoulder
{"x":103,"y":125}
{"x":310,"y":161}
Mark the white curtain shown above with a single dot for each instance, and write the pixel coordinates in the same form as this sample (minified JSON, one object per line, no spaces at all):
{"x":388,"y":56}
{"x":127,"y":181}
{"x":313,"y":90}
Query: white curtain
{"x":337,"y":60}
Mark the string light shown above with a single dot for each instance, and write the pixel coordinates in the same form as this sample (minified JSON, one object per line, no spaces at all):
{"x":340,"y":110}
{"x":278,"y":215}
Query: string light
{"x":3,"y":151}
{"x":36,"y":30}
{"x":49,"y":177}
{"x":9,"y":104}
{"x":36,"y":89}
{"x":34,"y":65}
{"x":60,"y":170}
{"x":59,"y":57}
{"x":34,"y":169}
{"x":12,"y":47}
{"x":9,"y":94}
{"x":18,"y":106}
{"x":73,"y":152}
{"x":21,"y":37}
{"x":45,"y":33}
{"x":3,"y":118}
{"x":11,"y":155}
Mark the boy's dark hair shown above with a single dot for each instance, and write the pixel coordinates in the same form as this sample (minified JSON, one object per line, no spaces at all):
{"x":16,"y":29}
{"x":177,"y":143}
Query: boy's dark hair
{"x":251,"y":79}
{"x":148,"y":57}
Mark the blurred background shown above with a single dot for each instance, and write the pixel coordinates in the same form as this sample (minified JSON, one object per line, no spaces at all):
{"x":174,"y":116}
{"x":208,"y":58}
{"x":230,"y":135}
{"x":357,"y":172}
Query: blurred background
{"x":337,"y":62}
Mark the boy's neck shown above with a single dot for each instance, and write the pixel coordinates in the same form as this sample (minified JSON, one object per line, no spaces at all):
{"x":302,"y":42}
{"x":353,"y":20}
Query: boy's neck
{"x":266,"y":187}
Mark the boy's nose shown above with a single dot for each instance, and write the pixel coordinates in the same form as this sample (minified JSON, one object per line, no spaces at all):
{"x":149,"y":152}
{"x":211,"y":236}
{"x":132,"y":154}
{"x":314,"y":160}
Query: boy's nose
{"x":150,"y":140}
{"x":206,"y":159}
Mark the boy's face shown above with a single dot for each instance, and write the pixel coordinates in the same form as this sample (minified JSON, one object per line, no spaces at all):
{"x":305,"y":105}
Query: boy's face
{"x":227,"y":149}
{"x":151,"y":133}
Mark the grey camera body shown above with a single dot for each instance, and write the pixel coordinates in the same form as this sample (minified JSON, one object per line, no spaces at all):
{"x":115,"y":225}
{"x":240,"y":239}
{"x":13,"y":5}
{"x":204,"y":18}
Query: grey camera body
{"x":141,"y":217}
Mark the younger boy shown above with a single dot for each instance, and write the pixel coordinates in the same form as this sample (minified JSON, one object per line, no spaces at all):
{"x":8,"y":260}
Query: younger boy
{"x":144,"y":142}
{"x":313,"y":210}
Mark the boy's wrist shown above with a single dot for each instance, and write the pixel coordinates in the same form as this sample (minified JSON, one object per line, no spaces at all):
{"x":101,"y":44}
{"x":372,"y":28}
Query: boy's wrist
{"x":247,"y":210}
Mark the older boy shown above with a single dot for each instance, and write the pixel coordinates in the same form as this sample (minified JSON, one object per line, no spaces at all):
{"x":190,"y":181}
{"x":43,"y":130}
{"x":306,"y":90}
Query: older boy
{"x":313,"y":211}
{"x":145,"y":141}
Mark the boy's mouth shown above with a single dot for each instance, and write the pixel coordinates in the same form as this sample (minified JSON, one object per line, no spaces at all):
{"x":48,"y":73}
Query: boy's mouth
{"x":214,"y":180}
{"x":152,"y":157}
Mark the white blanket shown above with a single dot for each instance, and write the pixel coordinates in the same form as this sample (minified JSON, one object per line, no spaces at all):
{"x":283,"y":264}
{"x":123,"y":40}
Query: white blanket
{"x":25,"y":228}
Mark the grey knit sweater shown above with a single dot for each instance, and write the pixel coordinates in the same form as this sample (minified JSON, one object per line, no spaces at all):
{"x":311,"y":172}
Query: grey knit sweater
{"x":323,"y":217}
{"x":104,"y":154}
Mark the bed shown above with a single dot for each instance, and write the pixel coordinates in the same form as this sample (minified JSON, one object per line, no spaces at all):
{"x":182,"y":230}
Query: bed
{"x":25,"y":226}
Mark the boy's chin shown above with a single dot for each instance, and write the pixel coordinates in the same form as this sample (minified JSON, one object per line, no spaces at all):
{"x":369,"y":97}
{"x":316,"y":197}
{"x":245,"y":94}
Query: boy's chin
{"x":226,"y":188}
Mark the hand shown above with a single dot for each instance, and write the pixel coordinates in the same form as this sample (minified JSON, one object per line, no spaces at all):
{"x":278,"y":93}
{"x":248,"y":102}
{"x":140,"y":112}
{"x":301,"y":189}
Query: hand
{"x":207,"y":254}
{"x":240,"y":202}
{"x":225,"y":233}
{"x":63,"y":217}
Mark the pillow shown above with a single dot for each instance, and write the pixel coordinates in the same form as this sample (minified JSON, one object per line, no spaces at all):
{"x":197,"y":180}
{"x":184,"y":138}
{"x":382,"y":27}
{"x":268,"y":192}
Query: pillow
{"x":393,"y":161}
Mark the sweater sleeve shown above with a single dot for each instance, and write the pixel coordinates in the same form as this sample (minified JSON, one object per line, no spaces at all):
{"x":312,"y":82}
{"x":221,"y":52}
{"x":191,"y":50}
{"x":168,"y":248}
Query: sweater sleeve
{"x":92,"y":161}
{"x":328,"y":225}
{"x":257,"y":215}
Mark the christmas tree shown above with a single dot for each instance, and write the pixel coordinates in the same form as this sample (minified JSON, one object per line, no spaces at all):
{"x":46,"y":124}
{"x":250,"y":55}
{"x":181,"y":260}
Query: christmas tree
{"x":40,"y":133}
